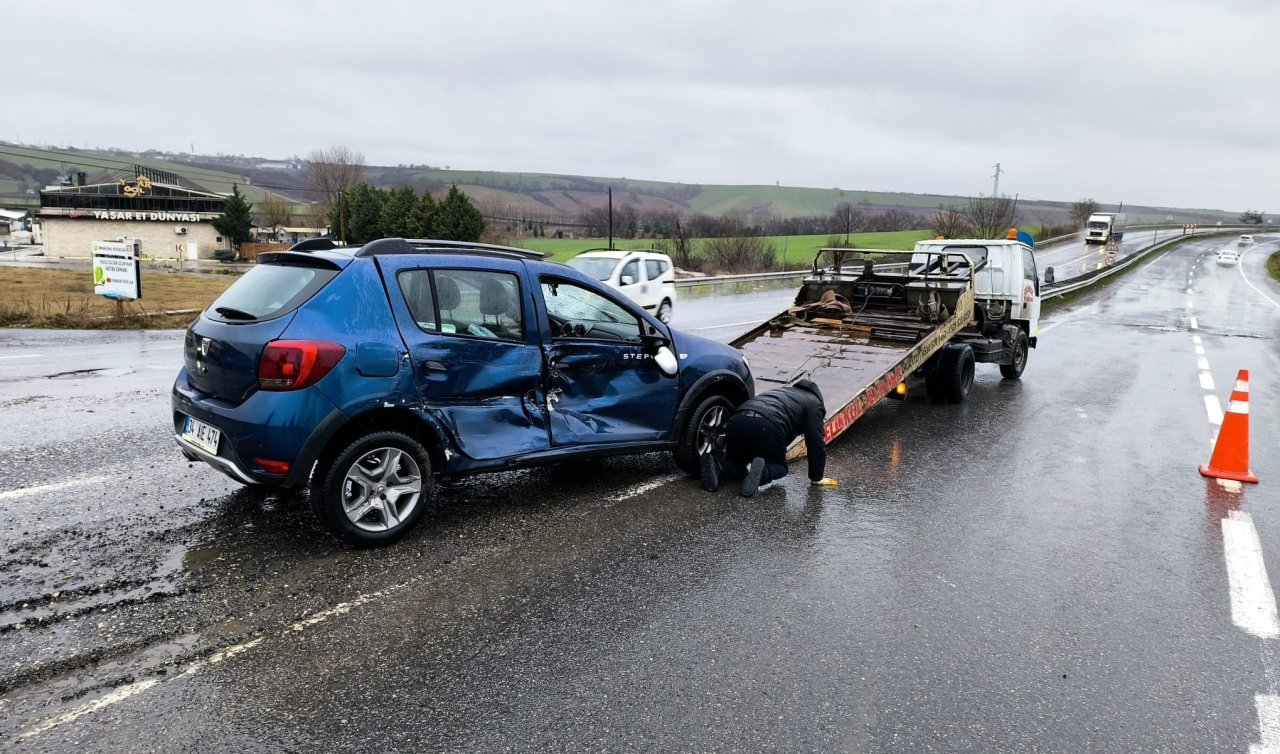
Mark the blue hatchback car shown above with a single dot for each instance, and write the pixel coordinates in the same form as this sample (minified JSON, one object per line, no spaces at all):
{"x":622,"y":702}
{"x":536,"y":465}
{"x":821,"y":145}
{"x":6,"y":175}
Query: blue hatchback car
{"x":371,"y":372}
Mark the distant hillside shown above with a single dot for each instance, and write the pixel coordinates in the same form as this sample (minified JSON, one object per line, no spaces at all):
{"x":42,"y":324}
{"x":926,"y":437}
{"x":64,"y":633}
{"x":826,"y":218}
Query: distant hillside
{"x":534,"y":196}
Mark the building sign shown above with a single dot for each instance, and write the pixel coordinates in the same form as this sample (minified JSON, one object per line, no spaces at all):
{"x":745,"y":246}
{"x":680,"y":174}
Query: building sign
{"x":117,"y":271}
{"x":163,"y":217}
{"x":136,"y":188}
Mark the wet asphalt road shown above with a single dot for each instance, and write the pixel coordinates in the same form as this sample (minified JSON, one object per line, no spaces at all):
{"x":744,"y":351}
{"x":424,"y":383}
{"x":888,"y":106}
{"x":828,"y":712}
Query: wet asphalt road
{"x":1039,"y":569}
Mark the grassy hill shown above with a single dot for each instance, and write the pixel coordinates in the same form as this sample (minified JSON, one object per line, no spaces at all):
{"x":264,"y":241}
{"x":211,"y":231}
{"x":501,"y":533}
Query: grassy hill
{"x":539,"y":196}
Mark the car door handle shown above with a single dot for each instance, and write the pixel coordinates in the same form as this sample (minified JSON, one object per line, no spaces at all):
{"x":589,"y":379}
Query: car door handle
{"x":433,"y":366}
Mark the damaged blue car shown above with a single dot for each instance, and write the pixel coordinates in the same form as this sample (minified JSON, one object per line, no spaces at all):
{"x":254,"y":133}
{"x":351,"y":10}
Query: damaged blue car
{"x":370,"y":373}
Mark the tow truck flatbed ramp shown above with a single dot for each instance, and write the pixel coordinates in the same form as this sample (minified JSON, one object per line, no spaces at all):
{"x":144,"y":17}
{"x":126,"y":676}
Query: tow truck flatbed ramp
{"x":858,"y":359}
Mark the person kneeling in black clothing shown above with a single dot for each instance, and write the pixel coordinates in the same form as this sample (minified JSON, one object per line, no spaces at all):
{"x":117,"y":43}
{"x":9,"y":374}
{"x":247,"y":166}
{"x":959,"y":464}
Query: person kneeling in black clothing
{"x":758,"y":434}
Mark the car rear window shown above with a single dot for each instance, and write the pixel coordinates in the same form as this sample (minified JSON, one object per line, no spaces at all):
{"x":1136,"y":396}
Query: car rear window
{"x":268,"y":291}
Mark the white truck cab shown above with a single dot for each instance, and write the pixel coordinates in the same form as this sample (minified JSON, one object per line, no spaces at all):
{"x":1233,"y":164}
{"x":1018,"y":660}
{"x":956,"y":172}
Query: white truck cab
{"x":1103,"y":227}
{"x":1006,"y":280}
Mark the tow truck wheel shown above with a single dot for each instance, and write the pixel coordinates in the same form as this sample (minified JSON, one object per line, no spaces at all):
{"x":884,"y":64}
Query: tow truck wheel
{"x":1021,"y":349}
{"x":704,"y":432}
{"x":952,"y":379}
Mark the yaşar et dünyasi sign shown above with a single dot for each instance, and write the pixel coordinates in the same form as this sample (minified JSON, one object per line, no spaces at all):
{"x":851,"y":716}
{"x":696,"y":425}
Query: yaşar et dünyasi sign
{"x":117,"y":270}
{"x":164,"y":217}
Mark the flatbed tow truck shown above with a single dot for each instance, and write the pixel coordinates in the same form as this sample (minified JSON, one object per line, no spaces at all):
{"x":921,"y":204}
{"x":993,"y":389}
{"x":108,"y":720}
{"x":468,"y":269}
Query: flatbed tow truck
{"x":865,"y":323}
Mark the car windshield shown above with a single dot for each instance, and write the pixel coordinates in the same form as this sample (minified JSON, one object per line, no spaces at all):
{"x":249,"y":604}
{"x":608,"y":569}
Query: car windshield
{"x":600,"y":268}
{"x":1097,"y":225}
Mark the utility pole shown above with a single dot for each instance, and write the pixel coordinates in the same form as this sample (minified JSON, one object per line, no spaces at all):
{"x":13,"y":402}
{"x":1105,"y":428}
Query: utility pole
{"x":995,"y":188}
{"x":611,"y":217}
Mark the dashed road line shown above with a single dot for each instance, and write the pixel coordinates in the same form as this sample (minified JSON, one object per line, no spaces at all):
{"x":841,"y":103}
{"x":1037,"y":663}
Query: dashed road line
{"x":640,"y":489}
{"x":1213,"y":407}
{"x":1253,"y":603}
{"x":1206,"y":381}
{"x":24,"y":491}
{"x":122,"y":693}
{"x":1268,"y":707}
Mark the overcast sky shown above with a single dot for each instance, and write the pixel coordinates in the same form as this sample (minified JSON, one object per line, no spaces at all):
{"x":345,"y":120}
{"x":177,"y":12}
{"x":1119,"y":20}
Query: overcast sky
{"x":1165,"y":102}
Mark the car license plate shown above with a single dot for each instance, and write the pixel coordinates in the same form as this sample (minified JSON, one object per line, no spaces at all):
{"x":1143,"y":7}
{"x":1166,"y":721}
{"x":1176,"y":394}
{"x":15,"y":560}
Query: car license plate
{"x":201,"y":435}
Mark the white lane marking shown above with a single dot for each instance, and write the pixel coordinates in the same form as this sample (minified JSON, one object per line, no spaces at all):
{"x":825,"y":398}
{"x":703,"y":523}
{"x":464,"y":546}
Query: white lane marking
{"x":1213,"y":407}
{"x":1247,"y":282}
{"x":1157,"y":259}
{"x":1230,"y":485}
{"x":118,"y":694}
{"x":1189,"y":291}
{"x":21,"y":356}
{"x":731,"y":324}
{"x":1195,"y":325}
{"x":1206,"y":381}
{"x":640,"y":489}
{"x":1199,"y":350}
{"x":1253,"y":604}
{"x":1202,"y":364}
{"x":1196,"y":339}
{"x":1268,"y":707}
{"x":1190,"y":305}
{"x":52,"y":487}
{"x":124,"y":692}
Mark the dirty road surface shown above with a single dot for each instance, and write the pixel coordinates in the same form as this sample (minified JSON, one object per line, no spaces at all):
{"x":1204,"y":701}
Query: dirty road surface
{"x":1041,"y":568}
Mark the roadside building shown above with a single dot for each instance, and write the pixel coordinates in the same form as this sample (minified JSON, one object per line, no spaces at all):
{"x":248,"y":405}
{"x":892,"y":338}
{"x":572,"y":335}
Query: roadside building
{"x":170,"y":215}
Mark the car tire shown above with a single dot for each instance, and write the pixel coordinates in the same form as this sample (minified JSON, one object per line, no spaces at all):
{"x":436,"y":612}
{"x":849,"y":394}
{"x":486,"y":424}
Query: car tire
{"x":703,"y":431}
{"x":1021,"y":350}
{"x":952,"y":378}
{"x":664,"y":312}
{"x":349,"y":493}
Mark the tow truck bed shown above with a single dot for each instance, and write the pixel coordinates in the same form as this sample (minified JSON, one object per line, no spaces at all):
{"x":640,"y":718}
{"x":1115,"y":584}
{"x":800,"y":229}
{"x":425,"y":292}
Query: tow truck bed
{"x":859,"y":358}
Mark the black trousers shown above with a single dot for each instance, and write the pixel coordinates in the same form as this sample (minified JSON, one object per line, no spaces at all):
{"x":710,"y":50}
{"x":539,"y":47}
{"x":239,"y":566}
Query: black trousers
{"x":748,"y":437}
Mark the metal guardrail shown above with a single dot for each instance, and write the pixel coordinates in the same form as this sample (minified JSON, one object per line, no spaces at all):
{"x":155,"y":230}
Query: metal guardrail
{"x":1093,"y":276}
{"x":791,"y":274}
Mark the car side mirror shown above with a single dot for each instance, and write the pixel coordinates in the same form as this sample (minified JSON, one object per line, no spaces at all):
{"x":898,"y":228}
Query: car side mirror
{"x":628,"y":280}
{"x":666,"y":361}
{"x":1048,"y":276}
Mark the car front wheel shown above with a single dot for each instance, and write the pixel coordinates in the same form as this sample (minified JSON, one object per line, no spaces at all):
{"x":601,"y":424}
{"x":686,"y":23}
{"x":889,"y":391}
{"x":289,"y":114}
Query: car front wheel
{"x":375,"y":489}
{"x":704,"y":432}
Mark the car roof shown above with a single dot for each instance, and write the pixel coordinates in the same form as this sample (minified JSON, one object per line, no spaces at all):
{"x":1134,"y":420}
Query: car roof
{"x":381,"y":246}
{"x":618,"y":253}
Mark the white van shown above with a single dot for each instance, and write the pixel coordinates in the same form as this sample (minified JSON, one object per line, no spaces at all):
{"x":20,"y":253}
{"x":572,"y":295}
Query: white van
{"x":646,"y":277}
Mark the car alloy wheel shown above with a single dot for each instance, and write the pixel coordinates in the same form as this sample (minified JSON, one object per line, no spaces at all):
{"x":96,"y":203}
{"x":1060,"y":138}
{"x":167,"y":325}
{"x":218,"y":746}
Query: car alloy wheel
{"x":381,"y":489}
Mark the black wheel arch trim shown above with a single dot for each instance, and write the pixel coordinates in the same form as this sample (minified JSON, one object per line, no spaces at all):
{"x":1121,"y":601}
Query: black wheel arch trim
{"x":694,"y":395}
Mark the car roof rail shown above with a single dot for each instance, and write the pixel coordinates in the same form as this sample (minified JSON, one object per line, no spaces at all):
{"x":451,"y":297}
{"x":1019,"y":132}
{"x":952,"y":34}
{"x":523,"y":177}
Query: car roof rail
{"x":322,"y":243}
{"x":421,"y":245}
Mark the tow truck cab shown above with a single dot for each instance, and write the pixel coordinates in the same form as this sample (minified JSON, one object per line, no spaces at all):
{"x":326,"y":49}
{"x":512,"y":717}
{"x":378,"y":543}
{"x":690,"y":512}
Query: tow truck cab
{"x":1006,"y":292}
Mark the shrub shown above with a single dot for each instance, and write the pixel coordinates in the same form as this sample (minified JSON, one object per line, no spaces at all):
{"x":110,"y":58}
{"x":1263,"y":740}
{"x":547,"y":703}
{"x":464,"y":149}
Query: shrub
{"x":740,"y":255}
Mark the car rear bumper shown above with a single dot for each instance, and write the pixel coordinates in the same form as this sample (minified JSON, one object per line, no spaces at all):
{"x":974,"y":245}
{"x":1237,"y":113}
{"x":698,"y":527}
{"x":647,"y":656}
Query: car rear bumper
{"x":287,"y":426}
{"x":225,"y":465}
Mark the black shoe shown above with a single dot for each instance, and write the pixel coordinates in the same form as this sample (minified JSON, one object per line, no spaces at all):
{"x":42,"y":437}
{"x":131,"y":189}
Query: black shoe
{"x":751,"y":482}
{"x":710,"y":472}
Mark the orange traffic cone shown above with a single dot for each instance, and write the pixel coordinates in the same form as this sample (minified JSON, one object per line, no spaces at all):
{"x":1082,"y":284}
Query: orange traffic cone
{"x":1231,"y":453}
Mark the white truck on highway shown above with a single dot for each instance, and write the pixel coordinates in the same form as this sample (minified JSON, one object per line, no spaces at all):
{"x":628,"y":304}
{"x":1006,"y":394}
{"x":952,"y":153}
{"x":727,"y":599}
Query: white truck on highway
{"x":865,"y":324}
{"x":1104,"y":226}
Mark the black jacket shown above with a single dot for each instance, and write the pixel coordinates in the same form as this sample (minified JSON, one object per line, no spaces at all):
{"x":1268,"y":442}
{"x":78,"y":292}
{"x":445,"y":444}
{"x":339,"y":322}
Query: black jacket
{"x":798,"y":410}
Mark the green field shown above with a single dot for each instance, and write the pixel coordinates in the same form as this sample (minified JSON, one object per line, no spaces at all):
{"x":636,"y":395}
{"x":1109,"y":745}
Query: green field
{"x":798,"y":250}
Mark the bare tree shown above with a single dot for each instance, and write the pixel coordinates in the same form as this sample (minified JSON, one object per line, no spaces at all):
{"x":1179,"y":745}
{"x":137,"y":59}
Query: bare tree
{"x":274,"y":213}
{"x":848,"y":219}
{"x":332,"y":171}
{"x":742,"y":254}
{"x":990,"y":216}
{"x":949,"y":222}
{"x":1080,"y":211}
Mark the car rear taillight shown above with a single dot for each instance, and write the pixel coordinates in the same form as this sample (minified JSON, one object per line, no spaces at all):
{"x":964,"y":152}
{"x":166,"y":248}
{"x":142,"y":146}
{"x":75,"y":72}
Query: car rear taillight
{"x":295,"y":364}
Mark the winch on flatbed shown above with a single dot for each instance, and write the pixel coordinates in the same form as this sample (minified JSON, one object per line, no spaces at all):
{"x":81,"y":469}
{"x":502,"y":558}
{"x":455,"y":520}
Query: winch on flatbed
{"x":865,"y":322}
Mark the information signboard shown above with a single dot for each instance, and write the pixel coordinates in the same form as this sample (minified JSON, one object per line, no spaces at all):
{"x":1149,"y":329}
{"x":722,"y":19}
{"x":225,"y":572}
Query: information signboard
{"x":117,"y":270}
